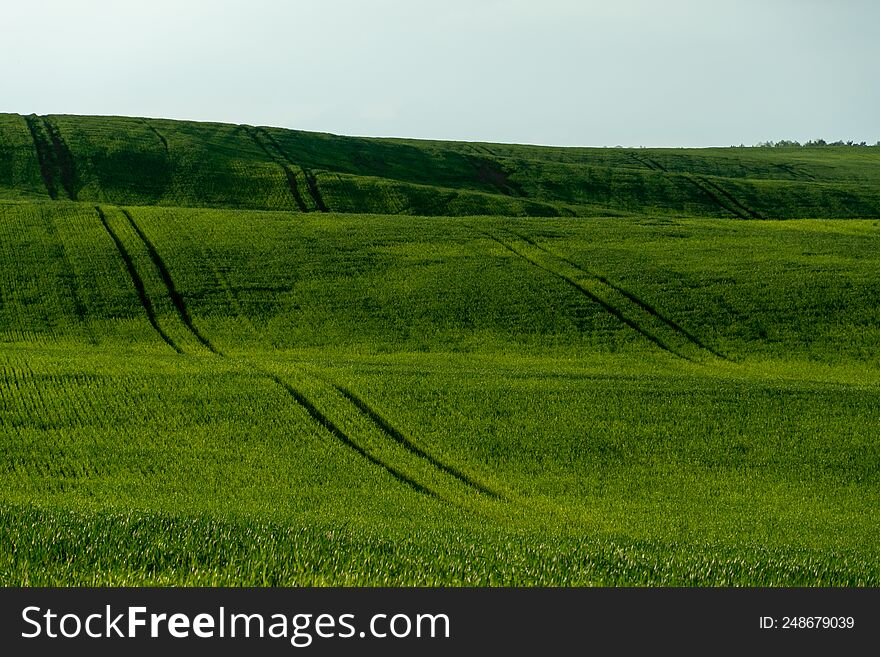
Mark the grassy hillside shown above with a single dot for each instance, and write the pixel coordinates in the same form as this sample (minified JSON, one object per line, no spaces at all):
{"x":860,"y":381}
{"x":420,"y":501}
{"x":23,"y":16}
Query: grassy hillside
{"x":703,"y":288}
{"x":228,"y":396}
{"x":254,"y":356}
{"x":185,"y":164}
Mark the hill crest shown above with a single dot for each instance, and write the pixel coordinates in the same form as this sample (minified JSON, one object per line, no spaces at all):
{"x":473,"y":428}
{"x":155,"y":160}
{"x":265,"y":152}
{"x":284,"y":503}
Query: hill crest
{"x":138,"y":161}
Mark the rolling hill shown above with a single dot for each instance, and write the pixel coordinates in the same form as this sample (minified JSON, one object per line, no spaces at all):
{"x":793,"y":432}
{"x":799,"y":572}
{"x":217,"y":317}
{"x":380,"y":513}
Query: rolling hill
{"x":131,"y":161}
{"x":253,"y":356}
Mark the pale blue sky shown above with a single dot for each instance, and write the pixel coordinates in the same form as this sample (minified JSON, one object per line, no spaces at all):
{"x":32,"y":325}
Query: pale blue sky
{"x":568,"y":72}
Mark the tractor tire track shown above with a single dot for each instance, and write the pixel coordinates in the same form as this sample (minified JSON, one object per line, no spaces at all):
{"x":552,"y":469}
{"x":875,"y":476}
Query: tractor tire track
{"x":137,"y":281}
{"x":277,"y":146}
{"x":294,"y":189}
{"x":301,"y":399}
{"x":340,"y":435}
{"x":158,"y":134}
{"x":708,"y":191}
{"x":750,"y":214}
{"x":296,"y":395}
{"x":176,"y":299}
{"x":648,"y":162}
{"x":648,"y":308}
{"x":284,"y":163}
{"x":185,"y":318}
{"x":407,"y":444}
{"x":311,"y":182}
{"x":657,"y":341}
{"x":45,"y":155}
{"x":63,"y":159}
{"x":796,"y":172}
{"x":481,"y":149}
{"x":714,"y":191}
{"x":179,"y":304}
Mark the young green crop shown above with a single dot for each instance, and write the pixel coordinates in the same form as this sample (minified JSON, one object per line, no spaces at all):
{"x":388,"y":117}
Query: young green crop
{"x":528,"y":366}
{"x":204,"y":396}
{"x":139,"y":161}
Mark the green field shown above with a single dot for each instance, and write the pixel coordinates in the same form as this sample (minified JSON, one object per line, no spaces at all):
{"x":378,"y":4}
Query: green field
{"x":253,"y":356}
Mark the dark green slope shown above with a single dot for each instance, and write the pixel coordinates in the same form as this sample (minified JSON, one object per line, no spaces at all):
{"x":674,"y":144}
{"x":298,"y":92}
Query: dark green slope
{"x":688,"y":290}
{"x":177,"y":163}
{"x":19,"y":168}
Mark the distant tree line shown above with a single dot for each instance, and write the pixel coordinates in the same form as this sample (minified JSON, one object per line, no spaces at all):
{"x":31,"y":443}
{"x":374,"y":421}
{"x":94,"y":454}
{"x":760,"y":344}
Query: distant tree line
{"x":783,"y":143}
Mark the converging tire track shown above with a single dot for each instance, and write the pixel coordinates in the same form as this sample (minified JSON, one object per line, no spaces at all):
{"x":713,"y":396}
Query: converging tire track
{"x":312,"y":184}
{"x":54,"y":157}
{"x":45,"y":155}
{"x":174,"y":295}
{"x":311,"y":181}
{"x":713,"y":190}
{"x":385,"y":428}
{"x":63,"y":158}
{"x":797,"y":173}
{"x":673,"y":325}
{"x":750,"y":214}
{"x":280,"y":159}
{"x":411,"y":447}
{"x":622,"y":305}
{"x":331,"y":427}
{"x":646,"y":161}
{"x":718,"y":195}
{"x":137,"y":281}
{"x":592,"y":297}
